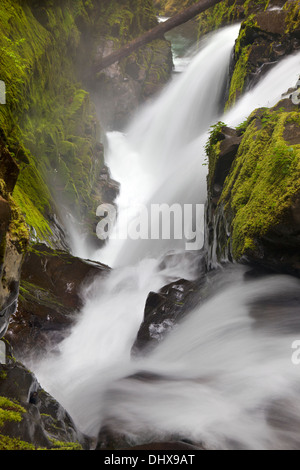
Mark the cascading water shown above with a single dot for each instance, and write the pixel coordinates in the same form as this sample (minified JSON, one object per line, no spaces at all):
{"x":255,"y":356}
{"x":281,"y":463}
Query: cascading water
{"x":224,"y":376}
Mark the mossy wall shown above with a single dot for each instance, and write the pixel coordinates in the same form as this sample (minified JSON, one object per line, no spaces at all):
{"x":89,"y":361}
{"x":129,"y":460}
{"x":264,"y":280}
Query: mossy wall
{"x":50,"y":124}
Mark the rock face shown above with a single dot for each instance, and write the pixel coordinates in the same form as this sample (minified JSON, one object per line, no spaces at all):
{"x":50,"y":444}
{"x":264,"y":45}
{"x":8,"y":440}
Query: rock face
{"x":13,"y":238}
{"x":253,"y":213}
{"x":50,"y":298}
{"x":120,"y":89}
{"x":265,"y":39}
{"x":29,"y":417}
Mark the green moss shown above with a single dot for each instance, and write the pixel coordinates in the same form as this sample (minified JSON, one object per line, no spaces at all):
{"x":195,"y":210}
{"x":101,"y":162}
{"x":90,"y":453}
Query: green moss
{"x":18,"y":231}
{"x":264,"y":180}
{"x":9,"y":443}
{"x":60,"y":445}
{"x":293,"y":16}
{"x":46,"y":106}
{"x":10,"y":411}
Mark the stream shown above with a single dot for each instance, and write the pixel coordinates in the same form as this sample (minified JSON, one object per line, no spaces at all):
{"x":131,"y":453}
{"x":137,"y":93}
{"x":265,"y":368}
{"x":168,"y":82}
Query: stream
{"x":224,"y":376}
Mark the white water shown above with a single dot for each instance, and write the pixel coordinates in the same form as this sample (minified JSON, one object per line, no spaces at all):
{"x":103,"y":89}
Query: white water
{"x":218,"y":372}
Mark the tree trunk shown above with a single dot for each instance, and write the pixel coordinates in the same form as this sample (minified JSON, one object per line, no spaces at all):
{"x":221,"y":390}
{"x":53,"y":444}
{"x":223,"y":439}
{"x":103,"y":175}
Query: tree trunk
{"x":157,"y":32}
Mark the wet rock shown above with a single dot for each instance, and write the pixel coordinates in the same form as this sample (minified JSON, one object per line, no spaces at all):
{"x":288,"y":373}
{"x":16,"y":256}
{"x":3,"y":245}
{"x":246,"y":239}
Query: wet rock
{"x":232,"y":230}
{"x":13,"y":238}
{"x":43,"y":421}
{"x":264,"y":40}
{"x":120,"y":88}
{"x":110,"y":439}
{"x":164,"y":310}
{"x":229,"y":145}
{"x":165,"y":446}
{"x":9,"y":170}
{"x":110,"y":188}
{"x":50,"y":298}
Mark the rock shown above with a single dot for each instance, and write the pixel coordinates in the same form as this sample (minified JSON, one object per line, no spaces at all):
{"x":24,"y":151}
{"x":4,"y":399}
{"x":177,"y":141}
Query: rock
{"x":42,"y":421}
{"x":229,"y":145}
{"x":164,"y":310}
{"x":110,"y":439}
{"x":50,"y":297}
{"x":264,"y":40}
{"x":9,"y":170}
{"x":120,"y":88}
{"x":110,"y":188}
{"x":256,"y":217}
{"x":272,"y":21}
{"x":13,"y":238}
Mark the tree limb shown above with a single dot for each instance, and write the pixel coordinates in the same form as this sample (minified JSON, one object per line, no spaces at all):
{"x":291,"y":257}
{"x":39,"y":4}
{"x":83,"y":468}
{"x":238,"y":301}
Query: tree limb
{"x":156,"y":32}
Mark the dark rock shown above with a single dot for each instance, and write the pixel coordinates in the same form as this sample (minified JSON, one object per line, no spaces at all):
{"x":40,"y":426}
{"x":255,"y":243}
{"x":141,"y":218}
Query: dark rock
{"x":110,"y":439}
{"x":109,"y":188}
{"x":44,"y":419}
{"x":51,"y":288}
{"x":164,"y":310}
{"x":272,"y":21}
{"x":5,"y":216}
{"x":165,"y":446}
{"x":13,"y":238}
{"x":228,"y":149}
{"x":118,"y":91}
{"x":266,"y":39}
{"x":9,"y":170}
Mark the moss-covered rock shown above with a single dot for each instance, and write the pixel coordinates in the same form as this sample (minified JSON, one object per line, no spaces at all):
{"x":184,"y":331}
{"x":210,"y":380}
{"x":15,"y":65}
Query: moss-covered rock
{"x":14,"y":238}
{"x":119,"y":89}
{"x":30,"y":419}
{"x":265,"y":38}
{"x":256,"y":214}
{"x":48,"y":53}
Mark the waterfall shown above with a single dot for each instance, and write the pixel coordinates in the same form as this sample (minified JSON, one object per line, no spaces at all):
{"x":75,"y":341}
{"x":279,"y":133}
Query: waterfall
{"x":219,"y":376}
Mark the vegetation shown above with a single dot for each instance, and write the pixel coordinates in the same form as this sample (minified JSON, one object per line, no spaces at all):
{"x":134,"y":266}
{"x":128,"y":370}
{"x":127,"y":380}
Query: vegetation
{"x":264,"y":179}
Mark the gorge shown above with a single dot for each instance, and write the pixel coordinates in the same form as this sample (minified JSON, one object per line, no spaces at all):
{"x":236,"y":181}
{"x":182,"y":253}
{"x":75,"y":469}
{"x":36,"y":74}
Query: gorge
{"x":140,"y":342}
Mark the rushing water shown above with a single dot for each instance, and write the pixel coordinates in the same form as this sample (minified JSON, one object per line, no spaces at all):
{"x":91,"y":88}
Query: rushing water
{"x":224,"y":376}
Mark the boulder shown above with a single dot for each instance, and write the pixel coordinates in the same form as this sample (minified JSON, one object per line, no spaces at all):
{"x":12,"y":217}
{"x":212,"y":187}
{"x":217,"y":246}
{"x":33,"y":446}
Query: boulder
{"x":50,"y":298}
{"x":265,"y":38}
{"x":166,"y":308}
{"x":255,"y":217}
{"x":39,"y":420}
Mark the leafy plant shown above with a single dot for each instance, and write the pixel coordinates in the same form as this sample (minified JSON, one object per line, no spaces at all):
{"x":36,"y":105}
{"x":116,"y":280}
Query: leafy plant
{"x":214,"y":137}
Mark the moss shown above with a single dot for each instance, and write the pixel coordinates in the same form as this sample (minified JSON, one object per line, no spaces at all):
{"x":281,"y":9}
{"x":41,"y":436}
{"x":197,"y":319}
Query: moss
{"x":60,"y":445}
{"x":18,"y":231}
{"x":3,"y":375}
{"x":10,"y":411}
{"x":238,"y":79}
{"x":46,"y":106}
{"x":293,"y":16}
{"x":263,"y":182}
{"x":9,"y":443}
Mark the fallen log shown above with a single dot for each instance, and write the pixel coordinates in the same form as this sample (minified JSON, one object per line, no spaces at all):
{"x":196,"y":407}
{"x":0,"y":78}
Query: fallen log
{"x":156,"y":32}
